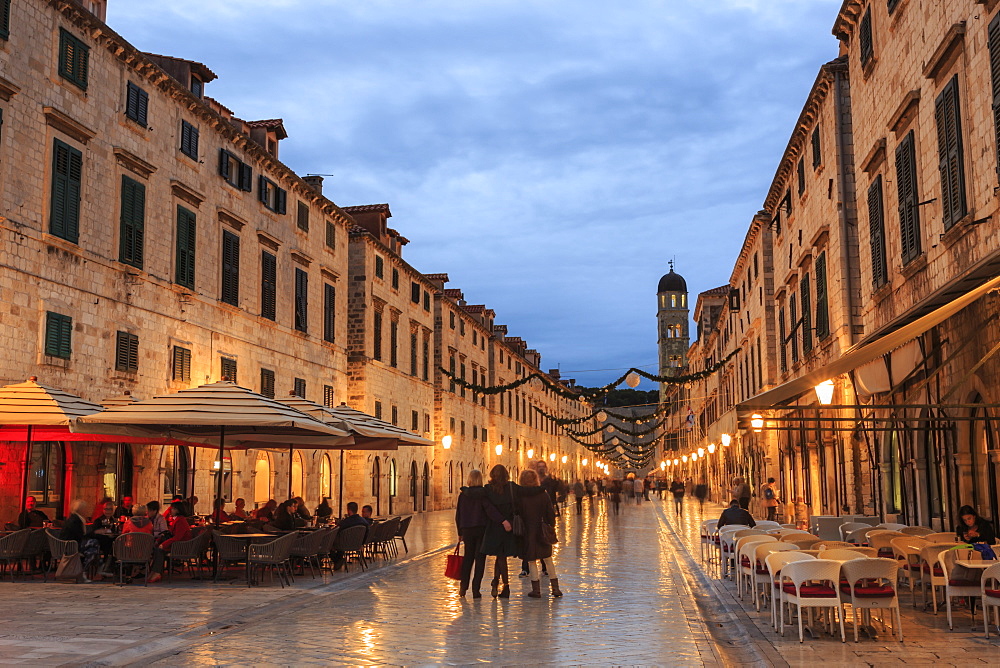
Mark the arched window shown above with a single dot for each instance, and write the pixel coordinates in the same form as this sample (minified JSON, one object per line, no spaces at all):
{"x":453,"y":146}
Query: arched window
{"x":427,"y":484}
{"x":451,"y":477}
{"x":116,"y":476}
{"x":227,"y":474}
{"x":413,"y":483}
{"x":983,"y":474}
{"x":461,"y":472}
{"x":175,"y":467}
{"x":46,"y":473}
{"x":325,"y":477}
{"x":298,"y":479}
{"x":262,"y":479}
{"x":376,"y":477}
{"x":673,"y":301}
{"x":393,"y":478}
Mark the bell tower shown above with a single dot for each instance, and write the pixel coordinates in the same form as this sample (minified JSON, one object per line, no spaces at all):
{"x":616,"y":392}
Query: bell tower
{"x":672,"y":316}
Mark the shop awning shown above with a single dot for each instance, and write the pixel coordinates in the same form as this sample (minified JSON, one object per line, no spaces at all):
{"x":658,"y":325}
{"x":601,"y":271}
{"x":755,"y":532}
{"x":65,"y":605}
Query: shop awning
{"x":863,"y":353}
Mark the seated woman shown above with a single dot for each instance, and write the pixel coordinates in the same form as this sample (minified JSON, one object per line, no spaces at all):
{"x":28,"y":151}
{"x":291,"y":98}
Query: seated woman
{"x":974,"y":529}
{"x":219,"y":514}
{"x":284,"y":516}
{"x":240,"y":513}
{"x":139,"y":521}
{"x":180,"y":530}
{"x":324,"y":511}
{"x":266,"y":512}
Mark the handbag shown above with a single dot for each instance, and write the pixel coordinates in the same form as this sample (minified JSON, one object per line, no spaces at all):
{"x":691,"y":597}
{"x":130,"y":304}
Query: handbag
{"x":549,"y":536}
{"x":70,"y":568}
{"x":453,"y":567}
{"x":517,"y":523}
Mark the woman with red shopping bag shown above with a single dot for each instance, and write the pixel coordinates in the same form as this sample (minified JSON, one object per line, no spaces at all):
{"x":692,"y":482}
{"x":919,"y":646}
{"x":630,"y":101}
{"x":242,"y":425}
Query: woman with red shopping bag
{"x":470,"y":518}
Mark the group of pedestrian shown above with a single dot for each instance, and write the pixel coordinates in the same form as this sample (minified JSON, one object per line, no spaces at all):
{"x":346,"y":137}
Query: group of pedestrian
{"x":504,"y":519}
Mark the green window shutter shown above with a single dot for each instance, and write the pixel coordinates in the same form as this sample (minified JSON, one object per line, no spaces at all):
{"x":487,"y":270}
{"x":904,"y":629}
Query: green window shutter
{"x":228,"y":369}
{"x":817,"y":148}
{"x":189,"y":140}
{"x":802,"y":175}
{"x":994,"y":45}
{"x":224,"y":163}
{"x":302,"y":219}
{"x":280,"y":201}
{"x":950,"y":155}
{"x":906,"y":185}
{"x":331,"y":235}
{"x":267,"y":383}
{"x":301,"y":300}
{"x":181,"y":368}
{"x":876,"y":228}
{"x":136,"y":104}
{"x":300,"y":387}
{"x":822,"y":309}
{"x":804,"y":298}
{"x":262,"y":188}
{"x":230,"y":268}
{"x":4,"y":19}
{"x":58,"y":335}
{"x":127,"y":352}
{"x":67,"y":175}
{"x":186,"y":238}
{"x":865,"y":38}
{"x":246,"y":177}
{"x":133,"y":212}
{"x":329,"y":313}
{"x":268,"y":285}
{"x":74,"y":59}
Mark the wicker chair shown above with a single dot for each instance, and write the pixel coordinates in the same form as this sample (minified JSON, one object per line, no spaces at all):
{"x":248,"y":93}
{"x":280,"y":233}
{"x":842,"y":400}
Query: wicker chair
{"x":812,"y":585}
{"x":774,"y":563}
{"x":761,"y":576}
{"x":940,"y":537}
{"x":990,"y":595}
{"x":906,"y":551}
{"x":350,"y":542}
{"x":848,"y":527}
{"x":871,"y":584}
{"x":881,"y":541}
{"x":228,"y":551}
{"x":832,"y":544}
{"x":329,"y":538}
{"x":12,"y":548}
{"x":133,"y":548}
{"x":306,"y":548}
{"x":956,"y":587}
{"x":34,"y":549}
{"x":386,"y":544}
{"x":802,"y":541}
{"x":273,"y":556}
{"x":188,"y":553}
{"x":933,"y":574}
{"x":57,"y":550}
{"x":916,"y":531}
{"x":841,"y":554}
{"x":404,"y":526}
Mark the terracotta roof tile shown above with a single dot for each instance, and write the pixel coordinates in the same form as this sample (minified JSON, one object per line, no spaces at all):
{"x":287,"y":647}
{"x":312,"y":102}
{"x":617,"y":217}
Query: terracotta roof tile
{"x":275,"y":124}
{"x":366,"y":208}
{"x":453,"y":292}
{"x":721,"y":290}
{"x":474,"y":308}
{"x":437,"y":277}
{"x":199,"y":68}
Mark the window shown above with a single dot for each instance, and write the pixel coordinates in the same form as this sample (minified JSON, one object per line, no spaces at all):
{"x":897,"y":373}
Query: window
{"x":197,"y":86}
{"x":451,"y":370}
{"x":58,"y":335}
{"x":301,"y":300}
{"x":73,"y":59}
{"x":329,"y":313}
{"x":782,"y":355}
{"x":865,"y":38}
{"x":267,"y":383}
{"x":189,"y":140}
{"x":228,"y":369}
{"x":378,"y":410}
{"x":802,"y":176}
{"x":427,"y":301}
{"x":127,"y":352}
{"x":415,"y":292}
{"x":46,"y":473}
{"x":300,"y":387}
{"x":186,"y":237}
{"x":461,"y":328}
{"x":377,"y":335}
{"x":891,"y":4}
{"x":234,"y":171}
{"x":331,"y":235}
{"x":817,"y":148}
{"x":909,"y":210}
{"x":786,"y":204}
{"x":268,"y":285}
{"x":180,"y":368}
{"x":427,"y":422}
{"x":67,"y":176}
{"x":4,"y":19}
{"x":425,"y":362}
{"x":994,"y":45}
{"x":804,"y":299}
{"x":876,"y":227}
{"x":451,"y":319}
{"x":133,"y":216}
{"x":230,"y":268}
{"x":379,"y":267}
{"x":950,"y":155}
{"x":328,"y":399}
{"x":394,"y":343}
{"x":136,"y":104}
{"x":302,"y":219}
{"x":822,"y":310}
{"x":271,"y":196}
{"x":395,"y":278}
{"x":414,"y":421}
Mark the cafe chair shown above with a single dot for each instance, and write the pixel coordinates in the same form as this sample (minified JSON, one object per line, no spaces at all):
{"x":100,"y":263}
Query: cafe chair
{"x":916,"y":531}
{"x":990,"y":593}
{"x":841,"y":554}
{"x":228,"y":551}
{"x":305,"y":549}
{"x":745,"y":554}
{"x":326,"y":546}
{"x":350,"y":542}
{"x":931,"y":570}
{"x":34,"y":550}
{"x":906,"y":552}
{"x":404,"y":526}
{"x":848,"y":527}
{"x":273,"y":556}
{"x":832,"y":544}
{"x":11,"y":549}
{"x":870,"y":584}
{"x":134,"y":548}
{"x":709,"y":534}
{"x":880,"y":539}
{"x":956,"y":586}
{"x":812,"y":584}
{"x":57,"y":550}
{"x":802,"y":541}
{"x":761,"y":576}
{"x":188,"y":553}
{"x":941,"y":537}
{"x":774,"y":562}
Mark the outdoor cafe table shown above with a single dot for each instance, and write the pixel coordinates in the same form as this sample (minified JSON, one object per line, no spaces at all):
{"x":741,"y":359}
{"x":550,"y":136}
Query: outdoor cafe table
{"x":977,"y":563}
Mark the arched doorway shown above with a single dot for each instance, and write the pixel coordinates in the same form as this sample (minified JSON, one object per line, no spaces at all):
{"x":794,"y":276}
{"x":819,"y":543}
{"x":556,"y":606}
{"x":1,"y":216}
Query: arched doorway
{"x":325,"y":477}
{"x":297,"y":476}
{"x":262,"y":479}
{"x":116,"y":478}
{"x":451,"y":477}
{"x":47,"y":475}
{"x":175,"y":466}
{"x":427,"y":486}
{"x":377,"y":484}
{"x":413,"y":486}
{"x":392,"y":484}
{"x":461,"y":473}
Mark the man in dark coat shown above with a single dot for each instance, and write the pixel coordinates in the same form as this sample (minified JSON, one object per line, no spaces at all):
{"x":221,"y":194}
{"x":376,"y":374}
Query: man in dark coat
{"x":734,"y":514}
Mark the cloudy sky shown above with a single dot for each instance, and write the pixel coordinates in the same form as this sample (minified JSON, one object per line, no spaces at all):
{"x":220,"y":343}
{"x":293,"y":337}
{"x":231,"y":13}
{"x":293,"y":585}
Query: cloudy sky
{"x":550,"y":155}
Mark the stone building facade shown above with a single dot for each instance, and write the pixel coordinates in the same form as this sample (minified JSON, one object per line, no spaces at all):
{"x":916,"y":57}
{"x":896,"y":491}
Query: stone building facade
{"x":153,"y":241}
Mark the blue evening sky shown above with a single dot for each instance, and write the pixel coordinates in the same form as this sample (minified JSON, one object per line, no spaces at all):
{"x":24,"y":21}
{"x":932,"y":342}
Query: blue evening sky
{"x":550,"y":156}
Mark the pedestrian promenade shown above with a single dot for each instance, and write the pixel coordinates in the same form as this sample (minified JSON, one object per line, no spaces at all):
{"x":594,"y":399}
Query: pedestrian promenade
{"x":926,"y":637}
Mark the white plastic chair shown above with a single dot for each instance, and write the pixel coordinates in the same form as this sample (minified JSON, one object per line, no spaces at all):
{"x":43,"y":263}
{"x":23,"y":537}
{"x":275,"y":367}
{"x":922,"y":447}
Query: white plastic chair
{"x":774,"y":562}
{"x":848,"y":527}
{"x":727,"y":549}
{"x":745,"y":559}
{"x":859,"y":536}
{"x":812,"y":584}
{"x":871,"y":584}
{"x":879,"y":539}
{"x":931,"y":571}
{"x":841,"y":555}
{"x":804,"y":541}
{"x":709,"y":530}
{"x":959,"y":588}
{"x":762,"y":580}
{"x":990,"y":592}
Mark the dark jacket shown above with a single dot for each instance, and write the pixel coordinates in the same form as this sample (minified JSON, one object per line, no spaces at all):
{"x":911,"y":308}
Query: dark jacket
{"x":470,"y":512}
{"x":31,"y":518}
{"x":73,"y":529}
{"x":535,"y":508}
{"x":736,"y":515}
{"x":499,"y":507}
{"x":677,"y":488}
{"x":982,"y":526}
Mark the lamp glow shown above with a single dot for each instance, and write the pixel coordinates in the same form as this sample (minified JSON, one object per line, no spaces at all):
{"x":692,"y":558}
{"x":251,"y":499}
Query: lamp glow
{"x":663,"y":466}
{"x":684,"y":458}
{"x":726,"y":440}
{"x":531,"y":453}
{"x":757,"y":421}
{"x":499,"y":449}
{"x":694,"y":456}
{"x":701,"y":452}
{"x":446,"y":441}
{"x":676,"y":462}
{"x":552,"y":457}
{"x":584,"y":462}
{"x":601,"y":416}
{"x":564,"y":459}
{"x":711,"y":448}
{"x":824,"y":392}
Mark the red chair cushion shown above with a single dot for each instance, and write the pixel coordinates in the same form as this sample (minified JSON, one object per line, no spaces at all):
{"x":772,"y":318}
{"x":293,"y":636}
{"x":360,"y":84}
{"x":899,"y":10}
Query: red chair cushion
{"x":761,"y":571}
{"x":938,"y":573}
{"x":745,"y":562}
{"x":885,"y":553}
{"x":811,"y":591}
{"x":870,"y":591}
{"x":962,"y":583}
{"x":993,"y":593}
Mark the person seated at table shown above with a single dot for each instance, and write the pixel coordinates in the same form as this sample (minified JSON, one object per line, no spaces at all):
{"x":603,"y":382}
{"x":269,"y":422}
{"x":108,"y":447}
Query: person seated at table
{"x":161,"y":529}
{"x":126,"y":508}
{"x":219,"y":514}
{"x":972,"y":528}
{"x":138,"y":522}
{"x":266,"y":512}
{"x":735,"y":514}
{"x":75,"y":528}
{"x":192,"y":506}
{"x":31,"y":516}
{"x":99,"y":508}
{"x":240,"y":513}
{"x":351,"y":519}
{"x":366,"y":512}
{"x":284,"y":516}
{"x":180,"y":530}
{"x":324,"y":511}
{"x":301,"y":512}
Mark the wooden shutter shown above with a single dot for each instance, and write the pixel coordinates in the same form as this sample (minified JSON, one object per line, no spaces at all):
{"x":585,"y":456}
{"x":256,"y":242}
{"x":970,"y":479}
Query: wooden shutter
{"x":822,"y":309}
{"x":876,"y":227}
{"x":300,"y":387}
{"x":329,"y":313}
{"x":804,"y":298}
{"x":189,"y":140}
{"x":74,"y":59}
{"x":246,"y":177}
{"x":802,"y":175}
{"x":133,"y":214}
{"x":817,"y":148}
{"x":58,"y":335}
{"x":865,"y":38}
{"x":268,"y":285}
{"x":994,"y":44}
{"x":136,"y":104}
{"x":331,"y":235}
{"x":181,"y":368}
{"x":415,"y":292}
{"x":906,"y":184}
{"x":67,"y":176}
{"x":950,"y":155}
{"x":4,"y":19}
{"x":228,"y":365}
{"x":328,"y":398}
{"x":186,"y":238}
{"x":301,"y":300}
{"x":224,"y":164}
{"x":302,"y":219}
{"x":127,"y":352}
{"x":230,"y":268}
{"x":794,"y":324}
{"x":280,"y":200}
{"x":267,"y":383}
{"x":262,"y":189}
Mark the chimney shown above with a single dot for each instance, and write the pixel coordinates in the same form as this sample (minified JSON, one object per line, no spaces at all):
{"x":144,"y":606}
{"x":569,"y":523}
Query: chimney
{"x":315,"y":182}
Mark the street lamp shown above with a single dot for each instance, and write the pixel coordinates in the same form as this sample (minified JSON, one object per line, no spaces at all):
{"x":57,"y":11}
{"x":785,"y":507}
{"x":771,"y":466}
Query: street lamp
{"x":711,"y":448}
{"x":499,"y":449}
{"x":676,"y":462}
{"x":552,"y":457}
{"x":684,"y":458}
{"x":584,"y":462}
{"x":564,"y":459}
{"x":701,"y":452}
{"x":446,"y":441}
{"x":531,"y":453}
{"x":824,"y":392}
{"x":694,"y":456}
{"x":726,"y":440}
{"x":757,"y":421}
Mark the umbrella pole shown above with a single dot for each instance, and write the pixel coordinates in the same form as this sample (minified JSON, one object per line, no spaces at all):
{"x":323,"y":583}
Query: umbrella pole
{"x":340,"y":494}
{"x":291,"y":454}
{"x":27,"y":465}
{"x":222,"y":465}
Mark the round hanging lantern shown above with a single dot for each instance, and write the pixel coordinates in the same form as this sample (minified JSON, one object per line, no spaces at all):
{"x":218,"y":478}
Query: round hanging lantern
{"x":632,"y":380}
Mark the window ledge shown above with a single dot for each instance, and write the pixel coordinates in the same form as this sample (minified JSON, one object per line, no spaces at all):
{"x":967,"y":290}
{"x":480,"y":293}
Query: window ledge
{"x":54,"y":361}
{"x":882,"y":292}
{"x":63,"y":244}
{"x":913,"y":266}
{"x":957,"y":231}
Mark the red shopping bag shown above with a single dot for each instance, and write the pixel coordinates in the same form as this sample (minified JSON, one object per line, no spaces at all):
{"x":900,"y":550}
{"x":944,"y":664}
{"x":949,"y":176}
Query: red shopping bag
{"x":453,"y":569}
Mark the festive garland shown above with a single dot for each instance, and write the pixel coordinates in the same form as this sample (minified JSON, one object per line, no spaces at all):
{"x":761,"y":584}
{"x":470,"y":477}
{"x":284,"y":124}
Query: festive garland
{"x":635,"y":434}
{"x":662,"y":411}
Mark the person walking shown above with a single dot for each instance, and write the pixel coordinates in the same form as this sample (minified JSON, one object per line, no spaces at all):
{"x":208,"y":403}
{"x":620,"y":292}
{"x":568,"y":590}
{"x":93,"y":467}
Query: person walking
{"x":769,"y":492}
{"x":701,"y":493}
{"x":628,"y":487}
{"x":677,"y":489}
{"x":537,"y":512}
{"x":471,"y":521}
{"x":499,"y":540}
{"x":616,"y":495}
{"x":741,"y":491}
{"x":578,"y":493}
